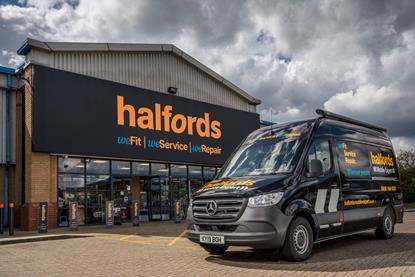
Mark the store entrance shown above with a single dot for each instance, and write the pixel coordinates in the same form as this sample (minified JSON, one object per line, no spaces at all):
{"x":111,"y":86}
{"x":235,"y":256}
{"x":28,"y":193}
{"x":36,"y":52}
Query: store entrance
{"x":159,"y":198}
{"x":179,"y":193}
{"x":122,"y":199}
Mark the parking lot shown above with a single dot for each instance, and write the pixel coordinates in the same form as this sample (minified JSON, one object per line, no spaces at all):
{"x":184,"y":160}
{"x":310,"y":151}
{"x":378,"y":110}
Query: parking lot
{"x":161,"y":249}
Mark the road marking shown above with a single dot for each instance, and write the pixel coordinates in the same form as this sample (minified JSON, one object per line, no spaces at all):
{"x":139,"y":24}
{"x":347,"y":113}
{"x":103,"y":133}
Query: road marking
{"x":177,"y":238}
{"x":150,"y":243}
{"x":126,"y":237}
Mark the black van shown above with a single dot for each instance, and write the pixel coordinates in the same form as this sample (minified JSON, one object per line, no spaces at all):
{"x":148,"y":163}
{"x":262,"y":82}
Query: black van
{"x":291,"y":185}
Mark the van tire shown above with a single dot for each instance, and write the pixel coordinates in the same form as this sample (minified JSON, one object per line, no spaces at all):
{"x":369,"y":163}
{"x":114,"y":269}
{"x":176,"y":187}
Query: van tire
{"x":298,"y":241}
{"x":386,"y":226}
{"x":215,"y":249}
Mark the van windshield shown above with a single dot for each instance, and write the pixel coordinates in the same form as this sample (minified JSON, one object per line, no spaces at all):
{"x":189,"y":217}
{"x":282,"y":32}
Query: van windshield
{"x":268,"y":153}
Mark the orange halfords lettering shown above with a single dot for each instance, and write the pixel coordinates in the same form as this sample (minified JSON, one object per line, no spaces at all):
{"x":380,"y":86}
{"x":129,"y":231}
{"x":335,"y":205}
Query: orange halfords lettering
{"x":161,"y":118}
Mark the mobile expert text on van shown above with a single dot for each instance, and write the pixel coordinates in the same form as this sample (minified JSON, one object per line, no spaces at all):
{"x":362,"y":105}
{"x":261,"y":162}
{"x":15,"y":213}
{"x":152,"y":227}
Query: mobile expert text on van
{"x":292,"y":185}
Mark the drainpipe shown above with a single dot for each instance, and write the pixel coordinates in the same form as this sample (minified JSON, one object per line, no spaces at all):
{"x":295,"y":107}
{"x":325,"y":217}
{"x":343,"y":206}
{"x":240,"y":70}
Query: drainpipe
{"x":6,"y":167}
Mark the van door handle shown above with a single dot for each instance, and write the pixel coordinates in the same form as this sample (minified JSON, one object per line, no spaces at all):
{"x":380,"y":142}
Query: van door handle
{"x":346,"y":185}
{"x":334,"y":186}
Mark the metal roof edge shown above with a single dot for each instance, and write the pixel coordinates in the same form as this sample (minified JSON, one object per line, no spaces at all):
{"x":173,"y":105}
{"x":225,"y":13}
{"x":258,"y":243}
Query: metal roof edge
{"x":7,"y":70}
{"x":132,"y":47}
{"x":218,"y":77}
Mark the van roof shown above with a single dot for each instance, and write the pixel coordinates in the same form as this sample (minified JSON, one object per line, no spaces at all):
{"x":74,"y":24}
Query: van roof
{"x":336,"y":119}
{"x":327,"y":114}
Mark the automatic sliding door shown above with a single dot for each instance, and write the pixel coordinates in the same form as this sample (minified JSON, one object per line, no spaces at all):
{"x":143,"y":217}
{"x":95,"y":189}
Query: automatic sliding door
{"x":159,"y":198}
{"x":155,"y":198}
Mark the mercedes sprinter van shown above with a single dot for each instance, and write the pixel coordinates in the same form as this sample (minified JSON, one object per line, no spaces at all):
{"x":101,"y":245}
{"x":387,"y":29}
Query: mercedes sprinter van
{"x":288,"y":186}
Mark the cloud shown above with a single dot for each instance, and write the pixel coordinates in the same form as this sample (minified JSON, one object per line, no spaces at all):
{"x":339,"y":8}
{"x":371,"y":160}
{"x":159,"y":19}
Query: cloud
{"x":12,"y":58}
{"x":352,"y":57}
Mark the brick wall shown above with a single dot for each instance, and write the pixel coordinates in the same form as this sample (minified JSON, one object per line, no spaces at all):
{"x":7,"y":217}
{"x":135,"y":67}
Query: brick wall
{"x":40,"y":173}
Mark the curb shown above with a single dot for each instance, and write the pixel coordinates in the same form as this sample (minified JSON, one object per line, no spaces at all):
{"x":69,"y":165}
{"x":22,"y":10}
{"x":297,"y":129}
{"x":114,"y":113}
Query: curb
{"x":409,"y":210}
{"x":39,"y":238}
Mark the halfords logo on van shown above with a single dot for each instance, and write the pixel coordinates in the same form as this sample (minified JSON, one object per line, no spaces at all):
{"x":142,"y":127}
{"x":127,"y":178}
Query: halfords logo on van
{"x":161,"y":118}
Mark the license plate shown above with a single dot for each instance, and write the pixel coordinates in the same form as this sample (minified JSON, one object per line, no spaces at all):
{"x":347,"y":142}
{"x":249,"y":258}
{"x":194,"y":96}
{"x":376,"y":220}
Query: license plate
{"x":212,"y":239}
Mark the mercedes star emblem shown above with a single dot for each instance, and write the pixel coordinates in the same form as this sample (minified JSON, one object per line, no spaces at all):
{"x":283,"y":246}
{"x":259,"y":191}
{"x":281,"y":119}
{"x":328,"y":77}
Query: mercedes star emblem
{"x":211,"y":207}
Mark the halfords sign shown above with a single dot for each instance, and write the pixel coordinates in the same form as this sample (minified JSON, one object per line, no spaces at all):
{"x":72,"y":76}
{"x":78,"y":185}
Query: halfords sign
{"x":80,"y":115}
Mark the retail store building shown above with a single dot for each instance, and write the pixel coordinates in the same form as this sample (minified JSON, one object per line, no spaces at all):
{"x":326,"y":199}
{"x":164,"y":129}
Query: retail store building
{"x":91,"y":122}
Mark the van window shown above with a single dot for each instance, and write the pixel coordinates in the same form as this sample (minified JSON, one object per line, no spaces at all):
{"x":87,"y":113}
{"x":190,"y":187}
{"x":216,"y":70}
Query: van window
{"x":354,"y":159}
{"x":275,"y":151}
{"x":320,"y":150}
{"x":382,"y":161}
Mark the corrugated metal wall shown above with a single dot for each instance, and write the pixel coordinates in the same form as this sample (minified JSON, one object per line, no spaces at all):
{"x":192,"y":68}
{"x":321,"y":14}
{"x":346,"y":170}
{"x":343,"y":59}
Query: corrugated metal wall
{"x":3,"y":126}
{"x":152,"y":70}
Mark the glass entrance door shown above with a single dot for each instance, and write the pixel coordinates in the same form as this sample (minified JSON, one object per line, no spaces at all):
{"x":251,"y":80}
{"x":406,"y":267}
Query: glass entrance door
{"x":159,"y":198}
{"x":179,"y":192}
{"x":122,"y":199}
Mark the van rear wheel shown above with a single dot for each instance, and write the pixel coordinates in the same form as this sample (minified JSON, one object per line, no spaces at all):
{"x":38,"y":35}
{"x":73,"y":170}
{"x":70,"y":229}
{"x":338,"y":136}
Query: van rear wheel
{"x":386,"y":226}
{"x":298,"y":241}
{"x":215,"y":249}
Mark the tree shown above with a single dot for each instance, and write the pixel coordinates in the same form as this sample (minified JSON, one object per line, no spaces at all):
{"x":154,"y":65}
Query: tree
{"x":406,"y":159}
{"x":406,"y":163}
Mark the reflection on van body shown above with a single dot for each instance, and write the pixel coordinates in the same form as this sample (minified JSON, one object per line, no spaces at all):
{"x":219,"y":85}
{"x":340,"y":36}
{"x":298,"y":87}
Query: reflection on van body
{"x":291,"y":185}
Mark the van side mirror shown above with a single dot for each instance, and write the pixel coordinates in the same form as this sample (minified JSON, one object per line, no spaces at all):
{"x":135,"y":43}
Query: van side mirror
{"x":315,"y":169}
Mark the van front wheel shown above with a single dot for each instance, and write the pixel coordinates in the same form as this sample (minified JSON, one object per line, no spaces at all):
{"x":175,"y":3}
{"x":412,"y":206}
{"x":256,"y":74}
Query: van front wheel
{"x":386,"y":226}
{"x":299,"y":240}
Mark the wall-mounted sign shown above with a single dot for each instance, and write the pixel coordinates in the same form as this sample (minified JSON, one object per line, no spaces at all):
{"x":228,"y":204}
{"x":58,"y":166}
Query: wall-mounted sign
{"x":76,"y":114}
{"x":73,"y":215}
{"x":109,"y":213}
{"x":42,"y":225}
{"x":136,"y":212}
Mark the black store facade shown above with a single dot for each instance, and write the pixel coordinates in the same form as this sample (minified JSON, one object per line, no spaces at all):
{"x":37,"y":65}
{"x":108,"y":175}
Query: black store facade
{"x":123,"y":143}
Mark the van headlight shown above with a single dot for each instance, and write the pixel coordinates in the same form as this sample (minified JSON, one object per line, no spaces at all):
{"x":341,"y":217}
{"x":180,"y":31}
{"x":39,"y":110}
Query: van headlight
{"x":265,"y":200}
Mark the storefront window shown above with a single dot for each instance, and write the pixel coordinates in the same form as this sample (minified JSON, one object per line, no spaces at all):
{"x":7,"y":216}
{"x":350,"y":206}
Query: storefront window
{"x":159,"y":192}
{"x":71,"y":165}
{"x":97,"y":166}
{"x":141,"y":169}
{"x":71,"y":187}
{"x":157,"y":186}
{"x":98,"y":189}
{"x":120,"y":168}
{"x":178,"y":187}
{"x":139,"y":187}
{"x":121,"y":182}
{"x":178,"y":170}
{"x":195,"y":172}
{"x":209,"y":173}
{"x":159,"y":169}
{"x":195,"y":179}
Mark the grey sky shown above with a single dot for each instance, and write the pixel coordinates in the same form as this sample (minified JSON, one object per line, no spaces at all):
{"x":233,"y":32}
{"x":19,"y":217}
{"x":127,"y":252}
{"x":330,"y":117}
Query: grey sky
{"x":352,"y":57}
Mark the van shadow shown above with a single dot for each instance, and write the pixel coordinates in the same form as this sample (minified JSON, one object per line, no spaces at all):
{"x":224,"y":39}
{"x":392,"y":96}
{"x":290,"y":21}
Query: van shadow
{"x":358,"y":252}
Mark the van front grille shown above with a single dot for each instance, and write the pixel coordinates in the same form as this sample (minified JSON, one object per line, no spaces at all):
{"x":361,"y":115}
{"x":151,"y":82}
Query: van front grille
{"x":227,"y":209}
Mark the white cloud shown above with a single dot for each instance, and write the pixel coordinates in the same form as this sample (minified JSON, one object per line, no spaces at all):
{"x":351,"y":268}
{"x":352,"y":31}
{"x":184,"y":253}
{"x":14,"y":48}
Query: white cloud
{"x":13,"y":59}
{"x":403,"y":143}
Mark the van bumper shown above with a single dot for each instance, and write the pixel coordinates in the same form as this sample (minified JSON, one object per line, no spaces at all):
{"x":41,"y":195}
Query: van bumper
{"x":257,"y":227}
